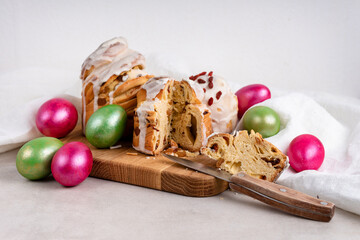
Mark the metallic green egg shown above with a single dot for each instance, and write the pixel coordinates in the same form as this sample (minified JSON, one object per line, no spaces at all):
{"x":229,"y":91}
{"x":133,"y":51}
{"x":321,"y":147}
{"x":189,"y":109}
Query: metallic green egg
{"x":33,"y":160}
{"x":263,"y":120}
{"x":106,"y":126}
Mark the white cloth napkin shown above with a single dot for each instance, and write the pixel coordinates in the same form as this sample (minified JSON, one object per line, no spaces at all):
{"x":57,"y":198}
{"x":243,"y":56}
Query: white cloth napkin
{"x":22,"y":92}
{"x":338,"y":179}
{"x":334,"y":120}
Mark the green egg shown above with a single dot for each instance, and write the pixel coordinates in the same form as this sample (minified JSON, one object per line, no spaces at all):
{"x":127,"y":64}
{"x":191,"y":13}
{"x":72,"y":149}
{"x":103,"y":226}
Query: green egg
{"x":33,"y":160}
{"x":263,"y":120}
{"x":106,"y":126}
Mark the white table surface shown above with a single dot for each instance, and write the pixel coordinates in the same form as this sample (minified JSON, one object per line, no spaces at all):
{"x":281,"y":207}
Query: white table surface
{"x":101,"y":209}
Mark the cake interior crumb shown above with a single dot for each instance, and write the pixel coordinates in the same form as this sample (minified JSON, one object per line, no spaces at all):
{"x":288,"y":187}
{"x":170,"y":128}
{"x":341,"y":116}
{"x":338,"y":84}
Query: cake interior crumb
{"x":132,"y":154}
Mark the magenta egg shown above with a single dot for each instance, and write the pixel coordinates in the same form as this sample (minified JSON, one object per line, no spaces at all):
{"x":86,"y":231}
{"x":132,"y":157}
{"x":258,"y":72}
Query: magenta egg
{"x":72,"y":164}
{"x":251,"y":95}
{"x":306,"y":152}
{"x":56,"y":118}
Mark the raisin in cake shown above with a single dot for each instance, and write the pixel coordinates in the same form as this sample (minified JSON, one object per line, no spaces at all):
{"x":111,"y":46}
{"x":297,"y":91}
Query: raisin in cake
{"x":246,"y":152}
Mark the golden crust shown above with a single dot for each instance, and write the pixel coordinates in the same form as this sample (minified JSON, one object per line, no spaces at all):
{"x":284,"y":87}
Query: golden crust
{"x":150,"y":135}
{"x":112,"y":74}
{"x":126,"y":95}
{"x":123,"y":95}
{"x":130,"y":112}
{"x":86,"y":72}
{"x":163,"y":94}
{"x":130,"y":84}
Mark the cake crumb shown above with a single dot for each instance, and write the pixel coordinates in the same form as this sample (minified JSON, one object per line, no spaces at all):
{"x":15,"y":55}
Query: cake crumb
{"x":191,"y":154}
{"x":116,"y":146}
{"x":221,"y":198}
{"x":147,"y":157}
{"x":132,"y":154}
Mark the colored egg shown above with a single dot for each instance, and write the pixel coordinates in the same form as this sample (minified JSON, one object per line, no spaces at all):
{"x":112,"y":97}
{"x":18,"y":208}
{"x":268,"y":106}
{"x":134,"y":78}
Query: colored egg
{"x":72,"y":164}
{"x":106,"y":126}
{"x":263,"y":120}
{"x":33,"y":160}
{"x":56,"y":118}
{"x":251,"y":95}
{"x":306,"y":152}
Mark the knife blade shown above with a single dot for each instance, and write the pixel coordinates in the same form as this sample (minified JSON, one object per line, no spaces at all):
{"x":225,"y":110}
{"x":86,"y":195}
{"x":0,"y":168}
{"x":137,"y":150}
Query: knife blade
{"x":278,"y":196}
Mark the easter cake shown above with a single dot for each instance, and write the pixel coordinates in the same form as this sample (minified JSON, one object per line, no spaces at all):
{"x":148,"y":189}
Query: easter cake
{"x":195,"y":114}
{"x":112,"y":74}
{"x":245,"y":152}
{"x":219,"y":98}
{"x":185,"y":112}
{"x":170,"y":110}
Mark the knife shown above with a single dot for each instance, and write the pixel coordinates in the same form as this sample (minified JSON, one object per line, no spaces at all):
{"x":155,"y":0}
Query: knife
{"x":278,"y":196}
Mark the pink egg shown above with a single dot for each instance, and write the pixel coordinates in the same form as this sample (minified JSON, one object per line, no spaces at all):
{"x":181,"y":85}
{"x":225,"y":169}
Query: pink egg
{"x":306,"y":152}
{"x":72,"y":164}
{"x":251,"y":95}
{"x":56,"y":118}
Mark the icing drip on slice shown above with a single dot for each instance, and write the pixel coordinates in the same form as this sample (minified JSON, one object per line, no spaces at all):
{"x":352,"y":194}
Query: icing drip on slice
{"x":142,"y":113}
{"x":196,"y":87}
{"x":134,"y":73}
{"x":203,"y":109}
{"x":154,"y":85}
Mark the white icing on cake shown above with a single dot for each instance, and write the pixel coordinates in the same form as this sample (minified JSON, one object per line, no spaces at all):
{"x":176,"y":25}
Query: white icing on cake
{"x":142,"y":113}
{"x":154,"y":85}
{"x":112,"y":57}
{"x":203,"y":108}
{"x":207,"y":139}
{"x":197,"y":88}
{"x":133,"y":73}
{"x":219,"y":99}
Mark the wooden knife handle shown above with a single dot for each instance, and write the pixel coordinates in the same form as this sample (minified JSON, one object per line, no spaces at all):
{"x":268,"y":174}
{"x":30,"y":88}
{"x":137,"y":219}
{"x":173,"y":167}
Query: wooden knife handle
{"x":283,"y":198}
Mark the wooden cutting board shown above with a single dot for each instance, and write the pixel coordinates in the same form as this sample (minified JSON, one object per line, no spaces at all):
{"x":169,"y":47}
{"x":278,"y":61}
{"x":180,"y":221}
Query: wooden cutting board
{"x":149,"y":171}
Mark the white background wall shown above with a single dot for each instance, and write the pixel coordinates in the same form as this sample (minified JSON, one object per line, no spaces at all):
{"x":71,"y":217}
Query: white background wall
{"x":292,"y":45}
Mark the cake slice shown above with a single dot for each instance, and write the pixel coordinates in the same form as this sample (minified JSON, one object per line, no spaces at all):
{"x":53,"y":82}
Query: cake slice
{"x":170,"y":110}
{"x":245,"y":152}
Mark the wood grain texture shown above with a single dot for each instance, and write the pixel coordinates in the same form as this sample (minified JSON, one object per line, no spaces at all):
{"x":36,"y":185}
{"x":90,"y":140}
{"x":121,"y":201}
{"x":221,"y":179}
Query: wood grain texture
{"x":283,"y":198}
{"x":149,"y":171}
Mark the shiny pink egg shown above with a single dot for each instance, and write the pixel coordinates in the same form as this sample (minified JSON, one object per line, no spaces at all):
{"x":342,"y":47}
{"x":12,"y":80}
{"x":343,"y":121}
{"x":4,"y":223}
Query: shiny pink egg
{"x":306,"y":152}
{"x":72,"y":164}
{"x":251,"y":95}
{"x":56,"y":118}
